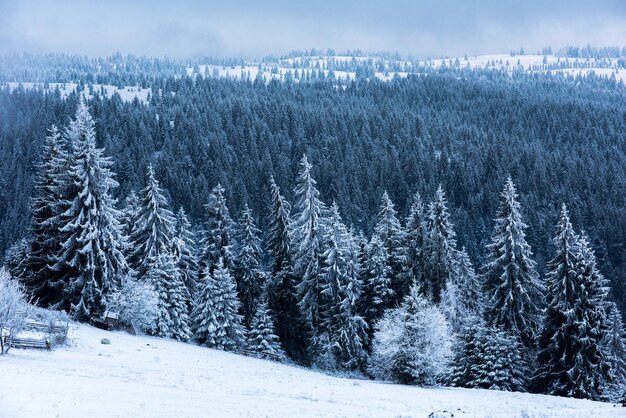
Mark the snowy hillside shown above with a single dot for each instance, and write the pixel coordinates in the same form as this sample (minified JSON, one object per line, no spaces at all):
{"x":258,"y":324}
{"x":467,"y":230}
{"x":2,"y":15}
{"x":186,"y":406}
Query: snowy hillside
{"x":144,"y":376}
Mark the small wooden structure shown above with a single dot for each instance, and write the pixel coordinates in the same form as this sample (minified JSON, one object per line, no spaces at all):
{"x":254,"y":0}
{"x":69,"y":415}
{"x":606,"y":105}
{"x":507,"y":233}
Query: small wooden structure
{"x":109,"y":320}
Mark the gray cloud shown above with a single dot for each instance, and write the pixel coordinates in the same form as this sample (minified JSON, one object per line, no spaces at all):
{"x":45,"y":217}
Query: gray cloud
{"x":256,"y":28}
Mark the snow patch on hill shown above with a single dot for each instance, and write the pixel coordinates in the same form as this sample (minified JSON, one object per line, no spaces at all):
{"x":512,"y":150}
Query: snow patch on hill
{"x":151,"y":377}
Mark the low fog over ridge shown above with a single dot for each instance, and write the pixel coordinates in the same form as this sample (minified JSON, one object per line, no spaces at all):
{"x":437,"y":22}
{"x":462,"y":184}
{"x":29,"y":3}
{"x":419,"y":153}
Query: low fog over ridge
{"x":250,"y":29}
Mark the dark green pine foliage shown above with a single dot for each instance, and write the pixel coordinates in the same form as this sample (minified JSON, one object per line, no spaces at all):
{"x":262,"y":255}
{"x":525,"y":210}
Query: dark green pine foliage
{"x":172,"y":313}
{"x":154,"y":227}
{"x":217,"y":242}
{"x":415,"y":239}
{"x":90,"y":263}
{"x":184,"y":247}
{"x":282,"y":298}
{"x":513,"y":292}
{"x":488,"y":358}
{"x":570,"y":360}
{"x":216,"y":318}
{"x":52,"y":187}
{"x":308,"y":249}
{"x":262,"y":340}
{"x":249,"y":273}
{"x":391,"y":234}
{"x":440,"y":248}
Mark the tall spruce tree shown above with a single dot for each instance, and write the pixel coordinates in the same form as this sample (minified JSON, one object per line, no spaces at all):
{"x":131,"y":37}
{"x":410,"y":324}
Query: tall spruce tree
{"x":307,"y":236}
{"x":52,"y":187}
{"x":615,"y":349}
{"x":570,"y":360}
{"x":154,"y":232}
{"x":440,"y":247}
{"x":216,"y":317}
{"x":513,"y":292}
{"x":172,"y":315}
{"x":217,"y":241}
{"x":249,"y":273}
{"x":90,"y":261}
{"x":377,"y":293}
{"x":282,"y":298}
{"x":130,"y":214}
{"x":415,"y":240}
{"x":390,"y":232}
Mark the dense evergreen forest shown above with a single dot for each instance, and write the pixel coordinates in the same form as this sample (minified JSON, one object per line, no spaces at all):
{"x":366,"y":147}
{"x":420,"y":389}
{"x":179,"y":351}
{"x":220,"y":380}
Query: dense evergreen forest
{"x":454,"y":227}
{"x":561,"y":140}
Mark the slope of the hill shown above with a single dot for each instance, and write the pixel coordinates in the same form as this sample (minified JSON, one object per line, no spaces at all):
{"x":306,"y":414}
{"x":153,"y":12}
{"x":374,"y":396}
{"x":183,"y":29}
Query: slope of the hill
{"x":150,"y":377}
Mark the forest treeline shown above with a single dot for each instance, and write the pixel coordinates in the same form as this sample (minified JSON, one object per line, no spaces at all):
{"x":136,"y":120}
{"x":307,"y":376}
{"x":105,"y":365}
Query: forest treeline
{"x":561,"y":140}
{"x":404,"y":303}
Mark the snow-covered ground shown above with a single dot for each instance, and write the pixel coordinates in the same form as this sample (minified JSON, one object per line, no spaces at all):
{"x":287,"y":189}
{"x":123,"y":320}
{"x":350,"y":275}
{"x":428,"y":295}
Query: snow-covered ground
{"x":128,"y":93}
{"x":151,"y":377}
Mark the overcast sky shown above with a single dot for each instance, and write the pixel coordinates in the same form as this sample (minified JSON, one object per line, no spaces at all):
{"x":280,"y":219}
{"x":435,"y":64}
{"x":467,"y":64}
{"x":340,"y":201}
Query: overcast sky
{"x":251,"y":28}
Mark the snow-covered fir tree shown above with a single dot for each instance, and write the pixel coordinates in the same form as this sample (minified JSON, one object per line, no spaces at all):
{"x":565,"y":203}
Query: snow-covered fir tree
{"x":345,"y":329}
{"x":217,"y":241}
{"x":185,"y":252}
{"x":440,"y":248}
{"x":52,"y":188}
{"x":262,"y":339}
{"x":570,"y":360}
{"x":412,"y":343}
{"x":415,"y":239}
{"x":377,"y":290}
{"x":391,"y":234}
{"x":488,"y":358}
{"x":91,"y":258}
{"x":615,"y":350}
{"x":173,"y":315}
{"x":469,"y":284}
{"x":513,"y":292}
{"x":249,"y":273}
{"x":216,"y":318}
{"x":281,"y":287}
{"x":308,"y":251}
{"x":154,"y":232}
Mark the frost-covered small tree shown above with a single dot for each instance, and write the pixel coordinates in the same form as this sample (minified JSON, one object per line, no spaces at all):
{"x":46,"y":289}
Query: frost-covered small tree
{"x":184,"y":252}
{"x":412,"y":343}
{"x":461,"y":298}
{"x":440,"y":249}
{"x":217,"y":241}
{"x":377,"y":291}
{"x":571,"y":360}
{"x":488,"y":358}
{"x":13,"y":308}
{"x":172,"y":314}
{"x":249,"y":273}
{"x":154,"y":231}
{"x":513,"y":292}
{"x":279,"y":243}
{"x":216,"y":317}
{"x":308,"y":251}
{"x":137,"y":303}
{"x":90,"y":261}
{"x":391,"y":234}
{"x":261,"y":339}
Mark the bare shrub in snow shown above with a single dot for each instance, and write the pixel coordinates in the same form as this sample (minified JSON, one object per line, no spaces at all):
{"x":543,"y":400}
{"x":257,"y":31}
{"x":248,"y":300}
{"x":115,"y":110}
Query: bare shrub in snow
{"x":13,"y":308}
{"x":137,"y":304}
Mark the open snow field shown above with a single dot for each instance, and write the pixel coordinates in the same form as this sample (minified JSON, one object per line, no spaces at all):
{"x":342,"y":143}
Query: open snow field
{"x":151,"y":377}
